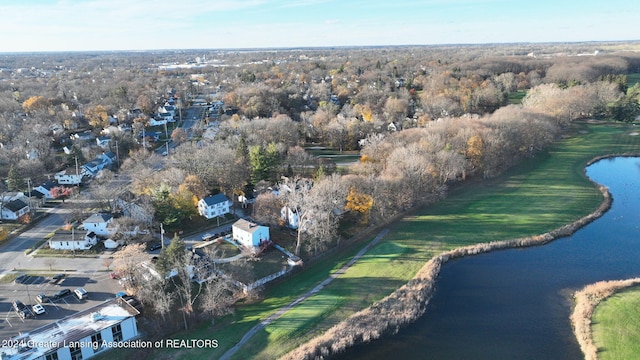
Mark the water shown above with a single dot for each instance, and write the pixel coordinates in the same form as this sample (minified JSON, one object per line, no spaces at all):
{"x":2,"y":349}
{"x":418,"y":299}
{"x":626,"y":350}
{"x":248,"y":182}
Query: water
{"x":515,"y":304}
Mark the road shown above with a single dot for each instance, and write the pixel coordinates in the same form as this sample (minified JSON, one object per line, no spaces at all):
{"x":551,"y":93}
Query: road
{"x":13,"y":258}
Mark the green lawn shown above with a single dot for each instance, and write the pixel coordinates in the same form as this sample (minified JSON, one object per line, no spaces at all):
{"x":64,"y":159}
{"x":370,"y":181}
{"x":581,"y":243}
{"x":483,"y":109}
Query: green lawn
{"x":633,"y":79}
{"x":516,"y":97}
{"x":616,"y":329}
{"x":538,"y":195}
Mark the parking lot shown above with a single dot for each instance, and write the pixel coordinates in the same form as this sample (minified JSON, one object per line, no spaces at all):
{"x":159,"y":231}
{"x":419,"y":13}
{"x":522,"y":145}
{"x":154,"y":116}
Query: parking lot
{"x":98,"y":285}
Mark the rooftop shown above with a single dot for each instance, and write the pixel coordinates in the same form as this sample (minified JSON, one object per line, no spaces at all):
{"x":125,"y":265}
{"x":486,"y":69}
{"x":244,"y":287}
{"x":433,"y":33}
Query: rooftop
{"x":70,"y":329}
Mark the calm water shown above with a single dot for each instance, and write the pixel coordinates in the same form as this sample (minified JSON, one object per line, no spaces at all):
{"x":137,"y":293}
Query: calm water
{"x":515,"y":304}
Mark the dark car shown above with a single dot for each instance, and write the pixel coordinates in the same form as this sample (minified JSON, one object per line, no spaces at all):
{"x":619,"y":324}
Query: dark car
{"x":57,"y":279}
{"x":62,"y":293}
{"x":22,"y":310}
{"x":154,"y":247}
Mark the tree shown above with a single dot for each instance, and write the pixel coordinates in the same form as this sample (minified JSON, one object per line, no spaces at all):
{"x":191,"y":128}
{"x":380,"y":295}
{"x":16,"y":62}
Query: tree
{"x":15,"y":182}
{"x":97,"y":116}
{"x":60,"y":192}
{"x":126,"y":262}
{"x":35,"y":103}
{"x":360,"y":203}
{"x":178,"y":136}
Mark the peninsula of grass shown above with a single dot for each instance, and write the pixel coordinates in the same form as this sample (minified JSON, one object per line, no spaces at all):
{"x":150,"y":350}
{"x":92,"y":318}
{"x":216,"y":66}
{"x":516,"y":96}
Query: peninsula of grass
{"x":616,"y":332}
{"x":540,"y":194}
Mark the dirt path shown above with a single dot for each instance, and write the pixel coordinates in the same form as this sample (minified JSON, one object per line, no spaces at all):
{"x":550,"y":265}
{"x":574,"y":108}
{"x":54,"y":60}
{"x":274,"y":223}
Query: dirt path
{"x":302,"y":298}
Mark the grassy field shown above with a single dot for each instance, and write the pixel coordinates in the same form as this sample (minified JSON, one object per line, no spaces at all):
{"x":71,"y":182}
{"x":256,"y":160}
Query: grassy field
{"x":615,"y":326}
{"x":539,"y":195}
{"x":516,"y":97}
{"x":633,"y":79}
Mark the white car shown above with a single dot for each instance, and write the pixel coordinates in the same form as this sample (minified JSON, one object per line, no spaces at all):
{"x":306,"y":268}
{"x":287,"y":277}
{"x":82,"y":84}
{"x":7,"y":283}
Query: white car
{"x":38,"y":309}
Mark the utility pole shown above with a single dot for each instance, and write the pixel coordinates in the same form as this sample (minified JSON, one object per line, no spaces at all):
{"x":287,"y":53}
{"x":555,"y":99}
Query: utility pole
{"x":161,"y":235}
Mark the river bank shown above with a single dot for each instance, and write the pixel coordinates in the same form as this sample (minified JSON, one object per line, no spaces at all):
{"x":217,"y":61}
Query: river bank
{"x":587,"y":300}
{"x":408,"y":303}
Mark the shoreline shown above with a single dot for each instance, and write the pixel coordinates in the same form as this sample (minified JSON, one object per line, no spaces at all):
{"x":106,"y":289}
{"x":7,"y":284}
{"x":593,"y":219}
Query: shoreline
{"x":586,"y":301}
{"x":408,"y":303}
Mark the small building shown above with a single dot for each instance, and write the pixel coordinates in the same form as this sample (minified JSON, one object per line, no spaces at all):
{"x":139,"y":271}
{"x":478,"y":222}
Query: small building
{"x":212,"y":206}
{"x":98,"y":223}
{"x":290,"y":217}
{"x":14,"y":209}
{"x":79,"y":336}
{"x":68,"y":177}
{"x":250,"y":235}
{"x":69,"y":240}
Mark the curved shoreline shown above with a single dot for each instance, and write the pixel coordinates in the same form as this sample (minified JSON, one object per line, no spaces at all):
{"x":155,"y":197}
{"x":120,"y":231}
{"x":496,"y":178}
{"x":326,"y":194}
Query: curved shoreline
{"x":408,"y":303}
{"x":587,"y":300}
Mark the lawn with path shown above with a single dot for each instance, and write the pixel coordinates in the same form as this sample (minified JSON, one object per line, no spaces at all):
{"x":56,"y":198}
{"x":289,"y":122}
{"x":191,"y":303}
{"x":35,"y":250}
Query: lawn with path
{"x":536,"y":196}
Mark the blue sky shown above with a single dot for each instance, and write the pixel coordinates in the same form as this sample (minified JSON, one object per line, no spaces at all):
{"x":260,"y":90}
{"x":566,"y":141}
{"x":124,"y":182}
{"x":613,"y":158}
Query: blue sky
{"x":75,"y":25}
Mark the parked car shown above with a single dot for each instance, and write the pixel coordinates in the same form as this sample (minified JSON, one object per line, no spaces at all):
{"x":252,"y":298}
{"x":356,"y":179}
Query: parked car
{"x":42,"y":298}
{"x":62,"y":293}
{"x":22,"y":310}
{"x":57,"y":279}
{"x":38,"y":309}
{"x":154,"y":247}
{"x":81,"y":293}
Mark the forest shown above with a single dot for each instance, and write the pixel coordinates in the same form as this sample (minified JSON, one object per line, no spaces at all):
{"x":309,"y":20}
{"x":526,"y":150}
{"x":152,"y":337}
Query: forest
{"x":420,"y":118}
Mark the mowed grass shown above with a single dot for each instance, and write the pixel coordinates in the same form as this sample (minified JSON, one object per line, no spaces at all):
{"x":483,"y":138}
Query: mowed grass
{"x":534,"y":197}
{"x":616,"y":326}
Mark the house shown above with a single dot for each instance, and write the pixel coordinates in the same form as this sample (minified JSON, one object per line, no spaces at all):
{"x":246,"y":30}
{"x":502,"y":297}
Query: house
{"x":83,"y":136}
{"x":45,"y":189}
{"x":80,"y":335}
{"x":103,"y":141}
{"x":290,"y":217}
{"x":68,"y":177}
{"x":212,"y":206}
{"x":14,"y":209}
{"x":250,"y":235}
{"x":157,"y":122}
{"x":100,"y":162}
{"x":98,"y":223}
{"x":134,"y":211}
{"x":69,"y":240}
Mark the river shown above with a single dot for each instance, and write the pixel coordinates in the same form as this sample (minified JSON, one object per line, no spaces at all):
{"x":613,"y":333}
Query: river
{"x":515,"y":304}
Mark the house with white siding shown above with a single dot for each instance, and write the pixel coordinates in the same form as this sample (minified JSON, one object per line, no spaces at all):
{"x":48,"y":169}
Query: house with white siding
{"x":212,"y":206}
{"x":69,"y":240}
{"x":98,"y":223}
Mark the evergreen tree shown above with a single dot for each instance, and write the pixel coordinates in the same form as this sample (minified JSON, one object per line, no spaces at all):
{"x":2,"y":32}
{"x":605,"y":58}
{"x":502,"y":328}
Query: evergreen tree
{"x":15,"y":182}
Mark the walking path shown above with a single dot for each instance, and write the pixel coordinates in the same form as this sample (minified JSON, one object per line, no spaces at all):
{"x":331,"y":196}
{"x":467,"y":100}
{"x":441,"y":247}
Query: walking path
{"x":302,"y":298}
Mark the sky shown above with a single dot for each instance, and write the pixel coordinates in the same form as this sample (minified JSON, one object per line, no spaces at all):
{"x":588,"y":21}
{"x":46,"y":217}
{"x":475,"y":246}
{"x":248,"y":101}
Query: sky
{"x":95,"y":25}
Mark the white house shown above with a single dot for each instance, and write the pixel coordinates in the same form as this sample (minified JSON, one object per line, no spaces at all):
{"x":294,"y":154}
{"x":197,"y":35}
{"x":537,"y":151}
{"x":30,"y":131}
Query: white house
{"x":69,"y":240}
{"x":157,"y":122}
{"x":290,"y":217}
{"x":81,"y":335}
{"x":98,"y":223}
{"x":14,"y":209}
{"x":68,"y":177}
{"x":212,"y":206}
{"x":249,"y":234}
{"x":100,"y":162}
{"x":45,"y":189}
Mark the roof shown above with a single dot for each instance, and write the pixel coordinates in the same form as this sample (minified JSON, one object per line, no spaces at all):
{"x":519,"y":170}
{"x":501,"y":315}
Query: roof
{"x":15,"y":205}
{"x":49,"y":185}
{"x":72,"y":328}
{"x":247,"y":226}
{"x":98,"y":218}
{"x":215,"y":199}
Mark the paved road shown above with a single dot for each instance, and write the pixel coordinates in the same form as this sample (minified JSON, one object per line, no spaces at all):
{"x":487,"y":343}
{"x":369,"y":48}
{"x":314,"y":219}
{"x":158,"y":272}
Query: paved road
{"x":302,"y":298}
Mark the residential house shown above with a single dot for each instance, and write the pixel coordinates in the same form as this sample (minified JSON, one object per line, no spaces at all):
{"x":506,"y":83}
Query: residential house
{"x":103,"y":141}
{"x":45,"y":189}
{"x":69,"y":177}
{"x":212,"y":206}
{"x":80,"y":335}
{"x":157,"y":122}
{"x":134,"y":211}
{"x":98,"y":223}
{"x":290,"y":217}
{"x":69,"y":240}
{"x":83,"y":136}
{"x":14,"y":209}
{"x":100,"y":162}
{"x":250,"y":235}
